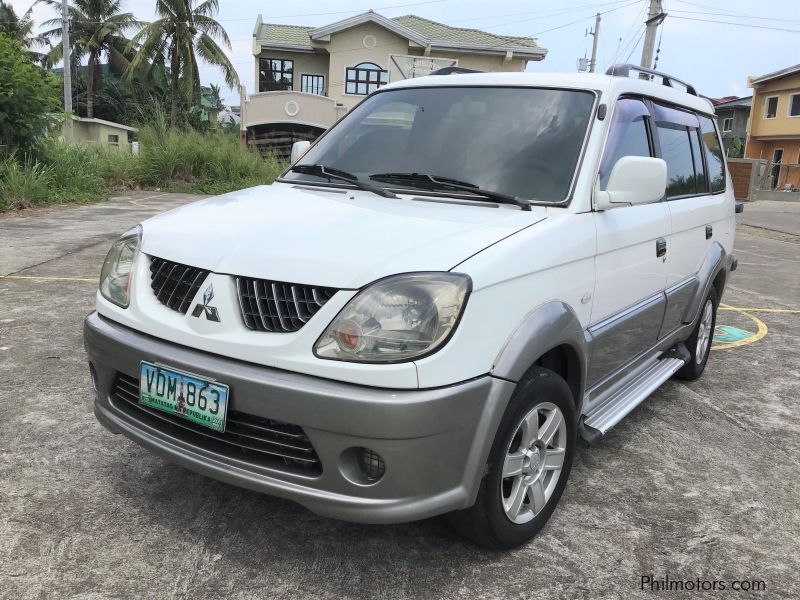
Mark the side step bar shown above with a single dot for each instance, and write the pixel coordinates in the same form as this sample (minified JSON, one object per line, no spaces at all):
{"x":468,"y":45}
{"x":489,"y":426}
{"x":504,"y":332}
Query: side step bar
{"x":623,"y":399}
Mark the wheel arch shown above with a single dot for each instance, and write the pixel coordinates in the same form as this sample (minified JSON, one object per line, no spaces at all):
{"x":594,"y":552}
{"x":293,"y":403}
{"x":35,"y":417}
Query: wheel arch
{"x":552,"y":337}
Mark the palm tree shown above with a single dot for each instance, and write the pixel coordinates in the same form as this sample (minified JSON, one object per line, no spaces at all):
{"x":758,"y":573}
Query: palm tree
{"x":97,"y":28}
{"x":216,"y":97}
{"x":184,"y":31}
{"x":21,"y":29}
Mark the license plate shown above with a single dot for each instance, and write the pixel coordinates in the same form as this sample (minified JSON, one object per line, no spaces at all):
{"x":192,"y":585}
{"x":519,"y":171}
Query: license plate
{"x":175,"y":392}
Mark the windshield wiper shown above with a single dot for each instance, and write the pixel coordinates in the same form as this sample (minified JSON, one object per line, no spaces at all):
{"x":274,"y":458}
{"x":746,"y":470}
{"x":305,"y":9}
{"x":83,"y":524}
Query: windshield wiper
{"x":333,"y":173}
{"x":456,"y":184}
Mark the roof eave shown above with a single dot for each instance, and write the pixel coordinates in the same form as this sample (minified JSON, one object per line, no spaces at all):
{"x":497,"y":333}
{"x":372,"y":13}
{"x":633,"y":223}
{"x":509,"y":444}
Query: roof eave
{"x":518,"y":51}
{"x":776,"y":75}
{"x":287,"y":47}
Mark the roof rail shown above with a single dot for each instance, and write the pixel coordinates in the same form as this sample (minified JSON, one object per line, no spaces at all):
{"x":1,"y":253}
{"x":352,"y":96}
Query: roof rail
{"x":623,"y":70}
{"x":453,"y":71}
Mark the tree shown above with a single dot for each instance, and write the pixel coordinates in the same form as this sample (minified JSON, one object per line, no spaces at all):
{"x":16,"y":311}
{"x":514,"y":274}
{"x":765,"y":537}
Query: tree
{"x":216,"y":97}
{"x":184,"y":31}
{"x":97,"y":28}
{"x":28,"y":95}
{"x":21,"y":29}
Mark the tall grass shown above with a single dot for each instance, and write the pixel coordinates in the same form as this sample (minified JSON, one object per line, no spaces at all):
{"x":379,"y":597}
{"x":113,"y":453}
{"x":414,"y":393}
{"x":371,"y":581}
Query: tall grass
{"x":211,"y":163}
{"x":24,"y":183}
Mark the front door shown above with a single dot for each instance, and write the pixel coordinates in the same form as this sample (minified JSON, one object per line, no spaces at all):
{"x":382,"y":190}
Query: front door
{"x":632,"y":248}
{"x":777,"y":159}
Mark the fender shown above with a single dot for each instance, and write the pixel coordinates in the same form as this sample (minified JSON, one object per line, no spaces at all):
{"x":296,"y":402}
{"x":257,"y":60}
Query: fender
{"x":547,"y":326}
{"x":714,"y":262}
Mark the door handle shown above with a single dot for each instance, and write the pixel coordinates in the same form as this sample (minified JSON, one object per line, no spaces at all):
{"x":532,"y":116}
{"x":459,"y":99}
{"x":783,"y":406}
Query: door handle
{"x":661,"y":247}
{"x":709,"y":232}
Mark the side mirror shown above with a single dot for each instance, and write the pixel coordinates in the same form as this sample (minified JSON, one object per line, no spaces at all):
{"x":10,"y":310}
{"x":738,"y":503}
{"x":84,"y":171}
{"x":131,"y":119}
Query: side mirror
{"x":298,"y":149}
{"x":633,"y":180}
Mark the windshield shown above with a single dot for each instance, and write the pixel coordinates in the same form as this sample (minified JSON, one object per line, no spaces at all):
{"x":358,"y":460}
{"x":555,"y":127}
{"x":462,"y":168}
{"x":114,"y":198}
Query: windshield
{"x":522,"y":142}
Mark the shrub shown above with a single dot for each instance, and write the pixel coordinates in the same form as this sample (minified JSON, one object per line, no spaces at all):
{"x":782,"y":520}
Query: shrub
{"x":23,"y":184}
{"x":27,"y":95}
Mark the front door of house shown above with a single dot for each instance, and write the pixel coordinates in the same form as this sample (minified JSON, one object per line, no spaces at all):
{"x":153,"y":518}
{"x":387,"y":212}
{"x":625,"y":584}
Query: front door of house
{"x":777,"y":158}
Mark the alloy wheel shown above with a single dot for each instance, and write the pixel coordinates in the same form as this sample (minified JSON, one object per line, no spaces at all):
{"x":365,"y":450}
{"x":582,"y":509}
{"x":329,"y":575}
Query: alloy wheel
{"x":533,"y":462}
{"x":704,"y":332}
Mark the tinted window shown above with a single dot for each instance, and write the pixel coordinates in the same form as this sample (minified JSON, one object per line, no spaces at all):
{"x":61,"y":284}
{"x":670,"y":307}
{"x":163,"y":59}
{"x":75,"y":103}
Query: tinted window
{"x":713,"y":151}
{"x":677,"y":137}
{"x":697,"y":158}
{"x":627,"y":136}
{"x":520,"y":141}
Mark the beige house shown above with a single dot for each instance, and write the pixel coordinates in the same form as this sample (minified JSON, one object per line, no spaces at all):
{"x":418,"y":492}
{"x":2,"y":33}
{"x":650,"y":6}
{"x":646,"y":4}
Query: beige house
{"x":101,"y":133}
{"x":308,"y":77}
{"x":774,"y":127}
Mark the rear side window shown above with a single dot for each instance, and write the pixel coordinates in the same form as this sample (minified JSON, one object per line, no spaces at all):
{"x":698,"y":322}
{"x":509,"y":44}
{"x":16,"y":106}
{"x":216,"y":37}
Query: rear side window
{"x":626,"y":137}
{"x":713,"y":152}
{"x":678,"y":139}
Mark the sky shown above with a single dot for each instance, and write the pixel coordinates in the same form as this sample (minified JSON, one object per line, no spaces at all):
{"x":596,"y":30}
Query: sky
{"x":699,"y":41}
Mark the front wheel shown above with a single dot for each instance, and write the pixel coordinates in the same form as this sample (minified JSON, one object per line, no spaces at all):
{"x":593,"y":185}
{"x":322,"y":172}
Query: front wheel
{"x":528,"y":465}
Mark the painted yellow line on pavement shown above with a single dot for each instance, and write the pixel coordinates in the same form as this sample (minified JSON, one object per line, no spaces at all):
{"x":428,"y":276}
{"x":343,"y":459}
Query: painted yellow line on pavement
{"x":764,"y":310}
{"x":761,"y":330}
{"x":49,"y":278}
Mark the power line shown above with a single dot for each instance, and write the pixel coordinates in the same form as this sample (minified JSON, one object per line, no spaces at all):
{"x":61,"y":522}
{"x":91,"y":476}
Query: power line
{"x":734,"y":15}
{"x":736,"y":24}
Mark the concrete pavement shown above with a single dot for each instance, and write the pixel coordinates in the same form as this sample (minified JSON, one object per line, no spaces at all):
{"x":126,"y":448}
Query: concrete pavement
{"x":701,"y":481}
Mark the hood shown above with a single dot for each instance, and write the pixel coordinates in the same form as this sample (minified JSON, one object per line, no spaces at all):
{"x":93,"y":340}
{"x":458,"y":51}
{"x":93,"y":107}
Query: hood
{"x":326,"y":236}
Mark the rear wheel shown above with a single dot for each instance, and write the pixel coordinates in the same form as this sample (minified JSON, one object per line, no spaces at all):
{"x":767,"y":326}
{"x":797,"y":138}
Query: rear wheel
{"x":699,"y":343}
{"x":528,"y":465}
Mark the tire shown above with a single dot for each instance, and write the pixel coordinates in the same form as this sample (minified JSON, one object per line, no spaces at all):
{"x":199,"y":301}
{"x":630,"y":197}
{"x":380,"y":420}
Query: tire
{"x":699,"y":343}
{"x":495,"y":520}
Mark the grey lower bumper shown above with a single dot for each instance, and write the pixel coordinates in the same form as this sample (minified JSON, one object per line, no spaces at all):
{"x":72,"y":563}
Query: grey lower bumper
{"x":434,"y":442}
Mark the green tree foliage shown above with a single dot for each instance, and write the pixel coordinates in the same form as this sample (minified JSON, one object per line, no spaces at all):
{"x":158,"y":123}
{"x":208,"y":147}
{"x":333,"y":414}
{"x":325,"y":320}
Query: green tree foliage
{"x":736,"y":149}
{"x":184,"y":31}
{"x":21,"y":29}
{"x":27,"y":95}
{"x":98,"y":30}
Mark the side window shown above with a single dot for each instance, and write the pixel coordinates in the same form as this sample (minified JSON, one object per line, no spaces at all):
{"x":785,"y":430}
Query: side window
{"x":679,"y":144}
{"x":627,"y":136}
{"x":697,"y":157}
{"x":713,"y":151}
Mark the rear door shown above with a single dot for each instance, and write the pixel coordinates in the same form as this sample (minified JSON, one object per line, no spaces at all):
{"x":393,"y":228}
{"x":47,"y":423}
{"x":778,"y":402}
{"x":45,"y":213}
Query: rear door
{"x":628,"y":304}
{"x":700,"y":212}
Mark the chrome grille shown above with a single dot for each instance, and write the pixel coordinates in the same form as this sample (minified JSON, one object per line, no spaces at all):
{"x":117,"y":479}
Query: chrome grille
{"x":175,"y":285}
{"x":256,"y":440}
{"x":279,"y":307}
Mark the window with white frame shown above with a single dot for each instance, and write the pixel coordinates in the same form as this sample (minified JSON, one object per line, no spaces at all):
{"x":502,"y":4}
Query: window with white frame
{"x":727,"y":124}
{"x":364,"y":78}
{"x":770,"y":107}
{"x":794,"y":105}
{"x":312,"y":84}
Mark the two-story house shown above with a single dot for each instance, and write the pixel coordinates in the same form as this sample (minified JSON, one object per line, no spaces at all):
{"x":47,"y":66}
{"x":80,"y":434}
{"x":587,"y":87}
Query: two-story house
{"x":308,"y":77}
{"x":774,"y":128}
{"x":732,"y":117}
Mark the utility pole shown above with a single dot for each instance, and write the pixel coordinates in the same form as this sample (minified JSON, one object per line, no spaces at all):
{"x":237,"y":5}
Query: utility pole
{"x":655,"y":16}
{"x":67,"y":70}
{"x":596,"y":35}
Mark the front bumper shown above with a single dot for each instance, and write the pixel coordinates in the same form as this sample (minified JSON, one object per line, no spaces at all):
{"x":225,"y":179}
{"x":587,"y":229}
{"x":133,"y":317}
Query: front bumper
{"x":434,"y":442}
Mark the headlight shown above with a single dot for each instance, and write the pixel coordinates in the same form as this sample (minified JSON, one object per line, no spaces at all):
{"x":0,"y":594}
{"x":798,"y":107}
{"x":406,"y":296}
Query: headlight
{"x":396,"y":319}
{"x":115,"y":277}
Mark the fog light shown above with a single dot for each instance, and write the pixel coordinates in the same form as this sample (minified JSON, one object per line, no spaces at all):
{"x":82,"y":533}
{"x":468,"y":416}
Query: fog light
{"x":371,"y":464}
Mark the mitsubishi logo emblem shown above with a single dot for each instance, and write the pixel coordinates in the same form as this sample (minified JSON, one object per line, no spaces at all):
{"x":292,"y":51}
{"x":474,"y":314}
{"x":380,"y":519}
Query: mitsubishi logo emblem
{"x":211,"y":312}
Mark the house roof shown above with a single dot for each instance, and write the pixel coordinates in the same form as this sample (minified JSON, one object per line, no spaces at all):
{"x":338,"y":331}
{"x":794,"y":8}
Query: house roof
{"x":745,"y":102}
{"x":776,"y":75}
{"x":419,"y":30}
{"x":104,"y":122}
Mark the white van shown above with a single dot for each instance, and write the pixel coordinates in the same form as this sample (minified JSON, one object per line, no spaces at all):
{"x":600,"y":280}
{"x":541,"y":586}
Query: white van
{"x":426,"y":310}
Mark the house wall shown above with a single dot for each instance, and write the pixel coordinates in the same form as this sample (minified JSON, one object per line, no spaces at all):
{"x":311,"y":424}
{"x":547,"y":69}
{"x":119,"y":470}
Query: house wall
{"x":97,"y":133}
{"x":484,"y":62}
{"x":740,"y":117}
{"x":782,"y":124}
{"x":347,"y":49}
{"x":304,"y":62}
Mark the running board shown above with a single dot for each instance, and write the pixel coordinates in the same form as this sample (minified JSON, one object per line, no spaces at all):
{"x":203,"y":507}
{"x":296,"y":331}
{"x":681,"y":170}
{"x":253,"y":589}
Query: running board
{"x":622,"y":400}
